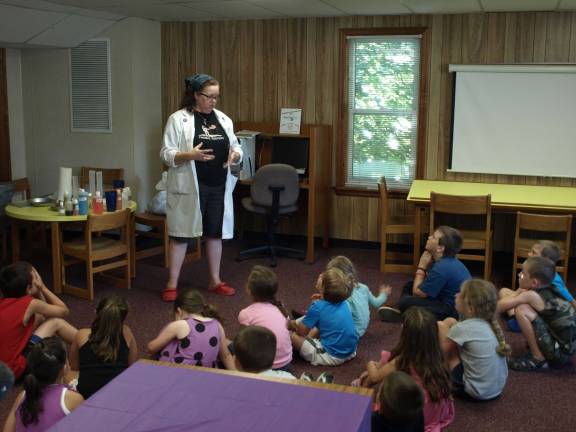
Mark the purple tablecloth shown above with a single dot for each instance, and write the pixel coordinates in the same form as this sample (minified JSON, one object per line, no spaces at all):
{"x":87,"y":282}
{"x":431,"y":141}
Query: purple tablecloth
{"x":150,"y":397}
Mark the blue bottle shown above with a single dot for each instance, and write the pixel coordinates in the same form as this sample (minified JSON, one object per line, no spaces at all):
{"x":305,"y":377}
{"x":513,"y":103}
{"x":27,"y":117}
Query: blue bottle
{"x":82,"y":202}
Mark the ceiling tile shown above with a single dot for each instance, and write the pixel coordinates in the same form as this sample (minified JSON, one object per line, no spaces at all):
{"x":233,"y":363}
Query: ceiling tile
{"x":443,"y":6}
{"x":516,"y":6}
{"x":168,"y":12}
{"x":567,"y":5}
{"x":17,"y":25}
{"x":299,"y":8}
{"x":233,"y":10}
{"x":72,"y":31}
{"x":54,"y":7}
{"x":369,"y":7}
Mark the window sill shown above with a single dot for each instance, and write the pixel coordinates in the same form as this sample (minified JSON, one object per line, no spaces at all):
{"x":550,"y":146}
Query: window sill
{"x":366,"y":192}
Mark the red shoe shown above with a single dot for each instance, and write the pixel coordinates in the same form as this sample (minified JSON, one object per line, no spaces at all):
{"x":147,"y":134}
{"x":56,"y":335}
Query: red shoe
{"x":223,"y":289}
{"x":169,"y":294}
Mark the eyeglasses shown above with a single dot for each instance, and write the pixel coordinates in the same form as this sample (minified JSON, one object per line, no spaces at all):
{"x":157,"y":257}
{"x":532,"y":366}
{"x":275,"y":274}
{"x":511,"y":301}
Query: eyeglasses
{"x":211,"y":97}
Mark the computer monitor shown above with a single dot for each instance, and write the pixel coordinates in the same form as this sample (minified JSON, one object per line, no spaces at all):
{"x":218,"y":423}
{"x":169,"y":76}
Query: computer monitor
{"x":291,"y":151}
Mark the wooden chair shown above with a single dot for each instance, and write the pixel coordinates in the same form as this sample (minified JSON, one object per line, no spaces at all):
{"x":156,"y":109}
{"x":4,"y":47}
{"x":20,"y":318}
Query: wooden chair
{"x":159,"y":231}
{"x":33,"y":230}
{"x":476,"y":240}
{"x":395,"y":225}
{"x":100,"y":253}
{"x":108,"y":176}
{"x":22,"y":186}
{"x":533,"y":227}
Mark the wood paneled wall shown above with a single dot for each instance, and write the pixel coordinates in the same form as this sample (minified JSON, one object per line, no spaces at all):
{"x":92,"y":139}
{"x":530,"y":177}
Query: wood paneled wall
{"x":264,"y":65}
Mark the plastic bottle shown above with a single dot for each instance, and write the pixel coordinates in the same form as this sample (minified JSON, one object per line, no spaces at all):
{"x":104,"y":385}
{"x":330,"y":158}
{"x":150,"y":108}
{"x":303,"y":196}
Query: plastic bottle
{"x":126,"y":195}
{"x":67,"y":205}
{"x":61,"y":209}
{"x":74,"y":207}
{"x":82,"y":202}
{"x":98,"y":204}
{"x":119,"y":200}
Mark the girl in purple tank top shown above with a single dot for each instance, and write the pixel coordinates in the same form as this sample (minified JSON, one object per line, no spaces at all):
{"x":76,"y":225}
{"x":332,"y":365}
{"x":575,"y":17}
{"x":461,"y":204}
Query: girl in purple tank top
{"x":195,"y":337}
{"x":45,"y":400}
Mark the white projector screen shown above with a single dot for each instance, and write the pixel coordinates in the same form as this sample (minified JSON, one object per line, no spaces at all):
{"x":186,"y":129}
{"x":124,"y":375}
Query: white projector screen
{"x":516,"y":119}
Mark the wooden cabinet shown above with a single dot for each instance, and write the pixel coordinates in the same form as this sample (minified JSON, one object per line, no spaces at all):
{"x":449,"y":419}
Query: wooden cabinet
{"x":317,"y":180}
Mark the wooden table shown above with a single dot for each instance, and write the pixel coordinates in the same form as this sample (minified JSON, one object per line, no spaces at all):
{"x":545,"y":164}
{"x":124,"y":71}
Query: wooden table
{"x":505,"y":197}
{"x":151,"y":395}
{"x":46,"y":215}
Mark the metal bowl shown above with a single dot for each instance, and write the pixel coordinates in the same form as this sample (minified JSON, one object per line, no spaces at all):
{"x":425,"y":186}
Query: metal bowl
{"x":41,"y":202}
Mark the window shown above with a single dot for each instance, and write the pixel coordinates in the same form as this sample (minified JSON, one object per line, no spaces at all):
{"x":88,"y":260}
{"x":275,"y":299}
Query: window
{"x":90,"y":87}
{"x":382,"y":107}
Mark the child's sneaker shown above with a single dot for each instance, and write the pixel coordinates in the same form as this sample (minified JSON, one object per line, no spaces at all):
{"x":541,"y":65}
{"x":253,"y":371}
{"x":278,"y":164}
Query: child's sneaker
{"x":388,"y":314}
{"x":325,"y":377}
{"x":306,"y":376}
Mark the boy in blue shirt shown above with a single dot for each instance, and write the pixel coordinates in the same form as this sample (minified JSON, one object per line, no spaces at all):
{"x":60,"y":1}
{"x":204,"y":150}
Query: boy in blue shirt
{"x":331,"y":316}
{"x":437,"y":279}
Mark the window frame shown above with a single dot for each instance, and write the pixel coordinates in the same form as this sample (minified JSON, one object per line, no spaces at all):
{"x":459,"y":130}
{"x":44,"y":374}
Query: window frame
{"x":341,"y":144}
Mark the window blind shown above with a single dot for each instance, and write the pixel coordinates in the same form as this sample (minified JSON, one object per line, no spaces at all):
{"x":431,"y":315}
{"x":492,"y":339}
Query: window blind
{"x":383,"y":86}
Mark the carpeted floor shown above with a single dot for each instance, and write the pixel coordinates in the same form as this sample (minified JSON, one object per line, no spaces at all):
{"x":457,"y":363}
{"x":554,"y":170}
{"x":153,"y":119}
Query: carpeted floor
{"x":531,"y":401}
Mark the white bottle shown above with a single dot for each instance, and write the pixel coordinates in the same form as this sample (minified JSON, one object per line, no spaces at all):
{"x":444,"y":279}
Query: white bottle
{"x":126,"y":195}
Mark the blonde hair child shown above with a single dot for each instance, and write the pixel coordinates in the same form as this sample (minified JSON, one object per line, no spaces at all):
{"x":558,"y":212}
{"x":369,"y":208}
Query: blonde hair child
{"x":360,"y":295}
{"x":475,"y":345}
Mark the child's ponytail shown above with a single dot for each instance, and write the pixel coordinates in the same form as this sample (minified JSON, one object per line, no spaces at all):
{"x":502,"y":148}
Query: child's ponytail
{"x":192,"y":302}
{"x":481,"y":296}
{"x":262,"y":284}
{"x":503,"y":348}
{"x":45,"y":362}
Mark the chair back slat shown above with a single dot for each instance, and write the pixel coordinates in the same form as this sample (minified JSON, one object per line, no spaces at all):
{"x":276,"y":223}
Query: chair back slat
{"x":545,"y":223}
{"x":460,"y":204}
{"x":108,"y":221}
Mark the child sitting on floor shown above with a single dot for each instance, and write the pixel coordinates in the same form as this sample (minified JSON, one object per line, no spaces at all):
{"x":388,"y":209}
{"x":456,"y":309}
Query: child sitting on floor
{"x":361,"y":297}
{"x":475,"y":346}
{"x":45,"y":399}
{"x":400,"y":401}
{"x":418,"y":354}
{"x":254,"y":351}
{"x":547,"y":249}
{"x":195,"y":337}
{"x":547,"y":320}
{"x":29,"y":312}
{"x":267,"y":311}
{"x":331,"y":316}
{"x":102,"y":352}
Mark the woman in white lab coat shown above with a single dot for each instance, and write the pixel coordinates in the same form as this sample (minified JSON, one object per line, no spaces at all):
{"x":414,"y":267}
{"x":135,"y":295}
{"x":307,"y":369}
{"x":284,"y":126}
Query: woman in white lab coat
{"x":199,"y":146}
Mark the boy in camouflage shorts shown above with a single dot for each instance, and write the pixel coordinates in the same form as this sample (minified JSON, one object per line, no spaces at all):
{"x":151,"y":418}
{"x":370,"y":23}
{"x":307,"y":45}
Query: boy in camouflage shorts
{"x":546,"y":319}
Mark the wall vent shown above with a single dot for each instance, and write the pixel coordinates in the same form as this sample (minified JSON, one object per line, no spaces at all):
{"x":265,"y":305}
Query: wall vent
{"x":90,"y":87}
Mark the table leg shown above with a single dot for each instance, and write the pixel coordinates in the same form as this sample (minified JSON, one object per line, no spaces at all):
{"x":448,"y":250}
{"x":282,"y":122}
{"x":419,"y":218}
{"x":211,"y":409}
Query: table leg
{"x":15,"y":233}
{"x":56,"y":258}
{"x":132,"y":242}
{"x":417,"y":234}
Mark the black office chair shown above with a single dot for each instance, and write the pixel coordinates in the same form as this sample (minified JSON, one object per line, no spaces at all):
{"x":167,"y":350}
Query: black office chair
{"x":274,"y":192}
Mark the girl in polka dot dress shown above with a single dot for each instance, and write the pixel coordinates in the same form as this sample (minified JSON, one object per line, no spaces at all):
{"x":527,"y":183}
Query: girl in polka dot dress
{"x":195,"y":337}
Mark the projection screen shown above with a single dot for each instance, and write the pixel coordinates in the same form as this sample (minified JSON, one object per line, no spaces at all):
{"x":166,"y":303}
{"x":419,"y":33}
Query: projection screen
{"x":514,"y":119}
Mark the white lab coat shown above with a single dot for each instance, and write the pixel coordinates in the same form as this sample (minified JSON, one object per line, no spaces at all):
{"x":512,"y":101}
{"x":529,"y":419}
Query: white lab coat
{"x":183,"y":202}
